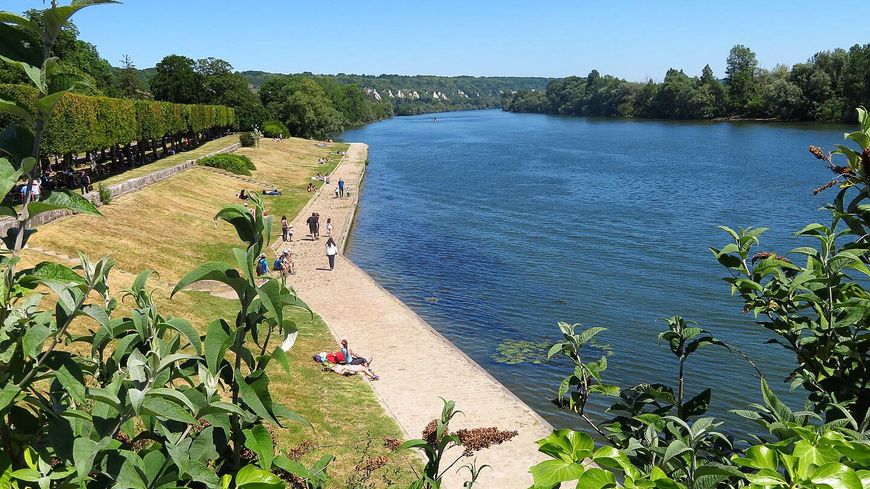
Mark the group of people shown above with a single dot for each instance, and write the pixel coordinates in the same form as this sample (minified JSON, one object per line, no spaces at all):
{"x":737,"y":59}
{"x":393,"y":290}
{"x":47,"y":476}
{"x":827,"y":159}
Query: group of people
{"x":283,"y":264}
{"x":346,"y":362}
{"x":67,"y":179}
{"x":314,"y":229}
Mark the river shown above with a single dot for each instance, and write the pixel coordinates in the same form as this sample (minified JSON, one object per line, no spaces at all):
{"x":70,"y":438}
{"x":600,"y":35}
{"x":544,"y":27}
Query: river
{"x":495,"y":226}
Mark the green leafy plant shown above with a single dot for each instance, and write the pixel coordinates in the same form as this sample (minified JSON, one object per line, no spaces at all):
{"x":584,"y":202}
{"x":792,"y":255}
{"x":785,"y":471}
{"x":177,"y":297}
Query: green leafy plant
{"x":438,"y":441}
{"x":818,"y":310}
{"x":247,"y":140}
{"x":89,"y":398}
{"x":105,"y":194}
{"x":238,"y":164}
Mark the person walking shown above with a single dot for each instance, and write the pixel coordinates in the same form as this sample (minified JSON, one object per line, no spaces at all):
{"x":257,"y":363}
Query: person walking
{"x":341,"y":187}
{"x":85,"y":182}
{"x":285,"y":229}
{"x":331,"y":251}
{"x":329,"y":227}
{"x":317,"y":224}
{"x":312,"y":225}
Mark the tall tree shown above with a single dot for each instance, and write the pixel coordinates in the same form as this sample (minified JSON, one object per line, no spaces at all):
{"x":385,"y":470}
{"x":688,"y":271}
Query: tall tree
{"x":742,"y":72}
{"x":177,"y":81}
{"x":127,"y":81}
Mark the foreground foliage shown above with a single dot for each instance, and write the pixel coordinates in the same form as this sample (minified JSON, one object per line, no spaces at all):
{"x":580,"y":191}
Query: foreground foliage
{"x":658,"y":435}
{"x":90,"y":398}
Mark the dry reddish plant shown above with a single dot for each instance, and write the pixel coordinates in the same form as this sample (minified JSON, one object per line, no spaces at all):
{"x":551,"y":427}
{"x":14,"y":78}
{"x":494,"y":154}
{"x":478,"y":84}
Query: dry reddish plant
{"x":392,"y":444}
{"x":476,"y":439}
{"x":300,"y":450}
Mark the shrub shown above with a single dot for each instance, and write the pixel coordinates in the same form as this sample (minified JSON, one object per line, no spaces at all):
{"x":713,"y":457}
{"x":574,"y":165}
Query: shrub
{"x":229,"y":162}
{"x":275,"y":128}
{"x":247,"y":140}
{"x":247,"y":161}
{"x":105,"y":194}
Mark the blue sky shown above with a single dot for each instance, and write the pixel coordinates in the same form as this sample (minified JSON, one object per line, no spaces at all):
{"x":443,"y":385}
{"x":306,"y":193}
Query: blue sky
{"x":633,"y":39}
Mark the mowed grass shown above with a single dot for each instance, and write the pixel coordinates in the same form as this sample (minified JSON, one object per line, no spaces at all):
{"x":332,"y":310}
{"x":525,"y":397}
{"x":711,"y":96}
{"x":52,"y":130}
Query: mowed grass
{"x":289,"y":165}
{"x":209,"y":147}
{"x":169,"y":227}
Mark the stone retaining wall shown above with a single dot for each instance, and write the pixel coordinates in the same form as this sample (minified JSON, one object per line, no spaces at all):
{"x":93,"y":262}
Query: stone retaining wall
{"x":117,"y":190}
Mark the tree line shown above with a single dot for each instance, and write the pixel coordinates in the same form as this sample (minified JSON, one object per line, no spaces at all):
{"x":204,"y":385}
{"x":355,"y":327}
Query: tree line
{"x":124,"y":128}
{"x":825,"y":88}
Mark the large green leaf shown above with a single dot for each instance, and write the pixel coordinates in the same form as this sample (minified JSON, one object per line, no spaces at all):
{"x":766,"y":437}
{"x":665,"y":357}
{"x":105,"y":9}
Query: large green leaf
{"x":253,"y":399}
{"x":185,"y":328}
{"x":8,"y":176}
{"x":252,"y":477}
{"x":553,"y":472}
{"x":217,"y":340}
{"x":241,"y":220}
{"x":759,"y":457}
{"x":7,"y":396}
{"x":258,"y":440}
{"x":130,"y":475}
{"x":163,"y":408}
{"x":270,"y":296}
{"x":84,"y":454}
{"x":56,"y":18}
{"x":63,"y":199}
{"x":69,"y":374}
{"x":34,"y":338}
{"x":836,"y":476}
{"x":217,"y":271}
{"x":595,"y":478}
{"x":279,"y":355}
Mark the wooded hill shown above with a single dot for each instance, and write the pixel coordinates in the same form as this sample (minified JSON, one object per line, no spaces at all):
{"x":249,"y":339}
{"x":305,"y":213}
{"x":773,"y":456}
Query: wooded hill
{"x":420,"y":94}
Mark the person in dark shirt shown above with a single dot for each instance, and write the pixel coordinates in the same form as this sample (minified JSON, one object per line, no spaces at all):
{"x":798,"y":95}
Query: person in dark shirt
{"x":312,"y":225}
{"x":84,"y":181}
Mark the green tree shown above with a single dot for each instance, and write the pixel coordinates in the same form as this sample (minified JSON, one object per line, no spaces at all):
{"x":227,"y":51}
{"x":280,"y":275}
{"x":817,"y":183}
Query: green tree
{"x":128,"y":84}
{"x":309,"y":113}
{"x":177,"y":81}
{"x":742,"y":78}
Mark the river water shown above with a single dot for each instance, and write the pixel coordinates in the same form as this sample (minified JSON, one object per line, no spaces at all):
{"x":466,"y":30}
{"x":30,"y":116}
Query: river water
{"x":495,"y":226}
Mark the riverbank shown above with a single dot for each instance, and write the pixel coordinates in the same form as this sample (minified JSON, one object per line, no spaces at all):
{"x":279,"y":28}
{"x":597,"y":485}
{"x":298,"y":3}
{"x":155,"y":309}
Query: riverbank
{"x":417,"y":365}
{"x":169,"y":227}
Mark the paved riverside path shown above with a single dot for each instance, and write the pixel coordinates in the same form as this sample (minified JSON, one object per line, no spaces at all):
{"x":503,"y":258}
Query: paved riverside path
{"x":416,"y":364}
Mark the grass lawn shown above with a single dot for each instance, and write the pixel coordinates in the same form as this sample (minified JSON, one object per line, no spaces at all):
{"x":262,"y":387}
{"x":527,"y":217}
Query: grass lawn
{"x":169,"y":227}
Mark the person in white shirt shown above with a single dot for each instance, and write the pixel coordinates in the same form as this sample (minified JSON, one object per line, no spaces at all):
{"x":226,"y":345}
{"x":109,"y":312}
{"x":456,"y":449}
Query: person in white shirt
{"x":331,"y":251}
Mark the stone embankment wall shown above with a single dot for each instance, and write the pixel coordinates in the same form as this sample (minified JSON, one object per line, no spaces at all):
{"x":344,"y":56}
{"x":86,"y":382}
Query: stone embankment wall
{"x":117,"y":190}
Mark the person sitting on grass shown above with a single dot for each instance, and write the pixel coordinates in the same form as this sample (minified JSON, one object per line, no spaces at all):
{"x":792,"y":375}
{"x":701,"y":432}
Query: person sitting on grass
{"x":243,"y":195}
{"x":284,"y":263}
{"x":351,"y":358}
{"x":311,"y":187}
{"x":335,"y":362}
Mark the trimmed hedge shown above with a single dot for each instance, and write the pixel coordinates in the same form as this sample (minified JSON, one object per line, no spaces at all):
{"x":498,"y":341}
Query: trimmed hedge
{"x":238,"y":164}
{"x":82,"y":123}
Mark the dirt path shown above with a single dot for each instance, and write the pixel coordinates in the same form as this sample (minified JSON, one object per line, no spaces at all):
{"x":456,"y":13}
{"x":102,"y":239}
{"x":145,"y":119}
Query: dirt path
{"x":376,"y":323}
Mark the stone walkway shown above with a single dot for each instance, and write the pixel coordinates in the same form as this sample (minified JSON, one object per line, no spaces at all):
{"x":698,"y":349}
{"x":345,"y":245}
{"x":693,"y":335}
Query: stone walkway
{"x":376,"y":323}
